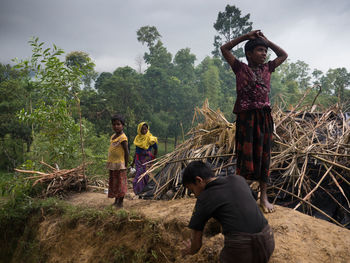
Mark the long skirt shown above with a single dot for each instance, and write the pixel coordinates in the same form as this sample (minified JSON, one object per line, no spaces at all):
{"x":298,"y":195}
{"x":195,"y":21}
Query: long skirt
{"x":254,"y":131}
{"x":141,"y":168}
{"x":248,"y":248}
{"x":117,"y":186}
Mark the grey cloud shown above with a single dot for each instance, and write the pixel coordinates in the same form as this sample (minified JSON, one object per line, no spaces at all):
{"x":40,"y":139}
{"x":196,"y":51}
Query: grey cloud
{"x":106,"y":29}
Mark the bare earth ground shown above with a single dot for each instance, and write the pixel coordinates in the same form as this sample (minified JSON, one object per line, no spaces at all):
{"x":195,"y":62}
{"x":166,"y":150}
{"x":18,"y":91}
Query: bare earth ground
{"x":299,"y":238}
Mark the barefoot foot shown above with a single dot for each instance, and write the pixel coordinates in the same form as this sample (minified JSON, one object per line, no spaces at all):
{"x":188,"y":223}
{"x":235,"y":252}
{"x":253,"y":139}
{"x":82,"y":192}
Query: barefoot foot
{"x":266,"y":206}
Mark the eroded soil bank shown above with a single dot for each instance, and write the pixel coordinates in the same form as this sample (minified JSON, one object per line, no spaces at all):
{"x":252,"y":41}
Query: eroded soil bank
{"x":152,"y":231}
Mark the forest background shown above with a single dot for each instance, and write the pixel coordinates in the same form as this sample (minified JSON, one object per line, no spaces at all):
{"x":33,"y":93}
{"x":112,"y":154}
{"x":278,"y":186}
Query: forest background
{"x":55,"y":107}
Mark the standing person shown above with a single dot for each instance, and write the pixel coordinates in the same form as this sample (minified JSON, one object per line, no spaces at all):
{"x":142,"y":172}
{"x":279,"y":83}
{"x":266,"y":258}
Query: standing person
{"x":228,"y":199}
{"x":117,"y":163}
{"x":254,"y":124}
{"x":144,"y":142}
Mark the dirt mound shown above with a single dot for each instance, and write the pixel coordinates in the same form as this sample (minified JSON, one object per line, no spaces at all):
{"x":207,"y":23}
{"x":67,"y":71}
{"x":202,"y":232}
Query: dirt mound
{"x":299,"y":238}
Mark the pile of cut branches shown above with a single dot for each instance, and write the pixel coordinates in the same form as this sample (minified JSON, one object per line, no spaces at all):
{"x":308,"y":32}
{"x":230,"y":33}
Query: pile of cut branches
{"x":212,"y":141}
{"x":56,"y":181}
{"x":310,"y":159}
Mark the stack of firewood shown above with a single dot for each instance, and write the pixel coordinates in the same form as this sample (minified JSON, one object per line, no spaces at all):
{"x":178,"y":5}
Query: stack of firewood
{"x":211,"y":140}
{"x":310,"y":157}
{"x":58,"y":182}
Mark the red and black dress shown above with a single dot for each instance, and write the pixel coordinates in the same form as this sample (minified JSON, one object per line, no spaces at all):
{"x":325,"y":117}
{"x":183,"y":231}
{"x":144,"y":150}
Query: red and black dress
{"x":254,"y":123}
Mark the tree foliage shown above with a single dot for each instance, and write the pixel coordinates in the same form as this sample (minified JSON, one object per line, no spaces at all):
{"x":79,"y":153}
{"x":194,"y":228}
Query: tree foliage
{"x":47,"y":89}
{"x":82,"y":61}
{"x":148,"y":35}
{"x":13,"y":135}
{"x":56,"y":85}
{"x":229,"y":25}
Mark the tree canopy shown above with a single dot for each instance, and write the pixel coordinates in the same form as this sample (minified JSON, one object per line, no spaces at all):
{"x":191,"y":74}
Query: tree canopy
{"x":229,"y":25}
{"x":41,"y":98}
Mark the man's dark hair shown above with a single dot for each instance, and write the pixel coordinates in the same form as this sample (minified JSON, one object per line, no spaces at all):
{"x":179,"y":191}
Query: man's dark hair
{"x":118,"y":117}
{"x":194,"y":169}
{"x":251,"y":44}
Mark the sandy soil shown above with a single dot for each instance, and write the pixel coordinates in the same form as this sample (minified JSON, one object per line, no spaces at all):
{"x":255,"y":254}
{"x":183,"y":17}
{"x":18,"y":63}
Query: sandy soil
{"x":299,"y":238}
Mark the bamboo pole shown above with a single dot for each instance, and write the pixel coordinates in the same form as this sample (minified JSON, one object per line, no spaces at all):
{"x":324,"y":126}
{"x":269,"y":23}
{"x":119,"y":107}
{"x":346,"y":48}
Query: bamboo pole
{"x":315,"y":188}
{"x":330,"y":162}
{"x":202,"y":157}
{"x":310,"y":204}
{"x":317,"y":153}
{"x":331,"y":196}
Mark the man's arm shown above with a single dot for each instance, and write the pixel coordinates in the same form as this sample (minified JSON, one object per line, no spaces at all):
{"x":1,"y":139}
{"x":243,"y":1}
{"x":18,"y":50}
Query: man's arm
{"x":281,"y":54}
{"x":193,"y":246}
{"x":226,"y":48}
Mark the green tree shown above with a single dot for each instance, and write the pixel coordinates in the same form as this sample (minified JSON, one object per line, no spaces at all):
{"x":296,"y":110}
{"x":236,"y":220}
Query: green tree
{"x":292,"y":93}
{"x":156,"y":88}
{"x":93,"y":104}
{"x":13,"y":135}
{"x":101,"y":79}
{"x":93,"y":108}
{"x":148,"y":35}
{"x":336,"y":82}
{"x":167,"y":88}
{"x":184,"y":66}
{"x":122,"y":94}
{"x":317,"y":74}
{"x":301,"y":71}
{"x":278,"y":90}
{"x":83,"y":61}
{"x":296,"y":79}
{"x":230,"y":24}
{"x":209,"y":83}
{"x":227,"y":88}
{"x":56,"y":85}
{"x":296,"y":71}
{"x":158,"y":56}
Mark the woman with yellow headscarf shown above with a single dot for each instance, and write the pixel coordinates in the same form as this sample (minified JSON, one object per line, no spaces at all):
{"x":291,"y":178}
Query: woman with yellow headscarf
{"x":144,"y":142}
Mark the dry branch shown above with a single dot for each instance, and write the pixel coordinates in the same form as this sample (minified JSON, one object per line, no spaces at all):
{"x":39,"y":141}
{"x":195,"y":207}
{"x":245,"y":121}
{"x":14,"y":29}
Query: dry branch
{"x":57,"y":182}
{"x":309,"y":146}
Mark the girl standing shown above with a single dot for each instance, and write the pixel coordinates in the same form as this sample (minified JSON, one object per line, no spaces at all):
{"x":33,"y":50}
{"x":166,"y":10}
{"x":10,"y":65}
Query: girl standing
{"x":117,"y":163}
{"x":254,"y":123}
{"x":144,"y":142}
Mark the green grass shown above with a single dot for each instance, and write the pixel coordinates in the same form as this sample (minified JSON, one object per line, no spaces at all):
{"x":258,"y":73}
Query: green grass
{"x":21,"y":212}
{"x":20,"y":216}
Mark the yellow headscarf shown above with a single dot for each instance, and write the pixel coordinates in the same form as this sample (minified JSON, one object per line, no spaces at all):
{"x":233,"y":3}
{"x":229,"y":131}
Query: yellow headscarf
{"x":144,"y":141}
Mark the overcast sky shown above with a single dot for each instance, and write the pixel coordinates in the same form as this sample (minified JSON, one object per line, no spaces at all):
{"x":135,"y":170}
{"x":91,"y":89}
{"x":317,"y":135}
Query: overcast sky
{"x":316,"y":32}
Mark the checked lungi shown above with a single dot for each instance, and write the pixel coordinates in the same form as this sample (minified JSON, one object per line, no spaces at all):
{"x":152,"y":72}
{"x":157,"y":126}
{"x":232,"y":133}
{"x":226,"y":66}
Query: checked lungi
{"x":254,"y":130}
{"x":117,"y":186}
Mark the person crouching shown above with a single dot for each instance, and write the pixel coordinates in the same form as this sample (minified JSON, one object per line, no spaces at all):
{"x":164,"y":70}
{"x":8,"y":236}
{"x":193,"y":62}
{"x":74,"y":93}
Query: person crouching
{"x":229,"y":200}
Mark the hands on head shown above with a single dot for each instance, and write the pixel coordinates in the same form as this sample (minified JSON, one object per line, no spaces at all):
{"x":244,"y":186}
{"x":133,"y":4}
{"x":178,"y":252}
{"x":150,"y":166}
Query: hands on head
{"x":256,"y":34}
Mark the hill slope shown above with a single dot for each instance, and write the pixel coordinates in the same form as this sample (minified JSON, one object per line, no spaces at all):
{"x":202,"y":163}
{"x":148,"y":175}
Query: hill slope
{"x":299,"y":238}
